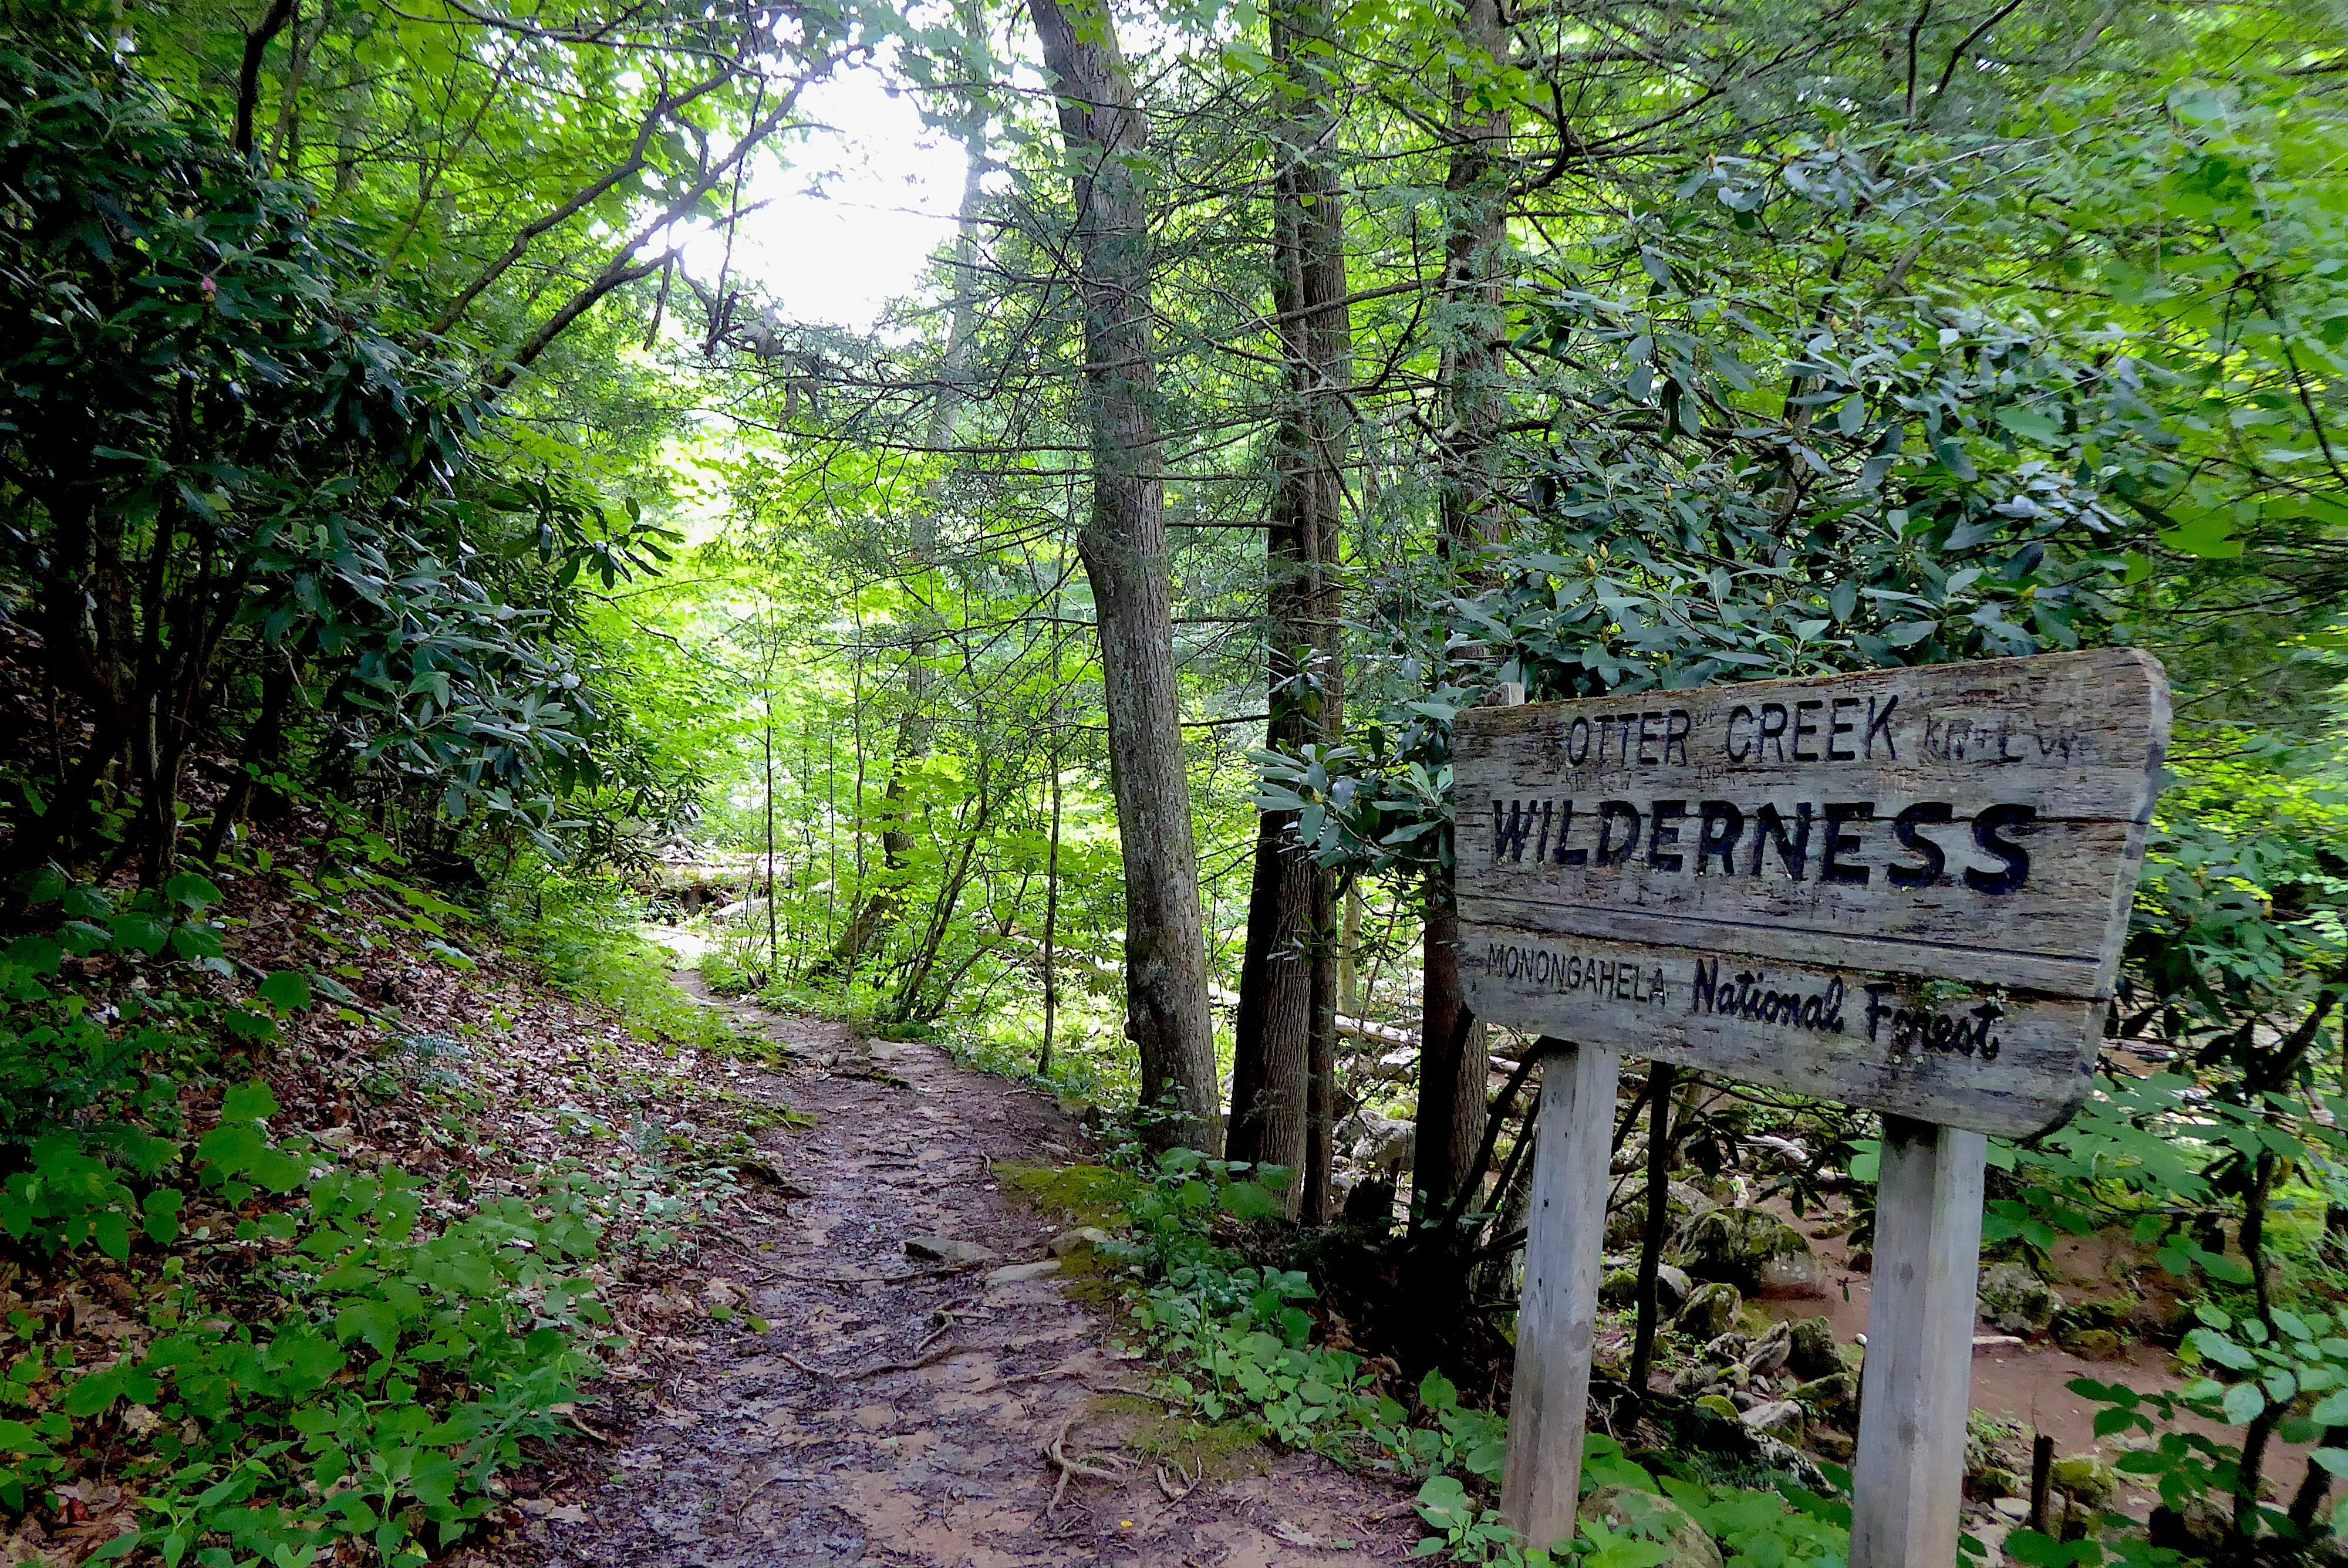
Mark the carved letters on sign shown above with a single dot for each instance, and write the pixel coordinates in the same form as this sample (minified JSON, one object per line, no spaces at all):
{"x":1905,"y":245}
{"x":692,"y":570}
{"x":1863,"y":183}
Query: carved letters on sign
{"x":1905,"y":889}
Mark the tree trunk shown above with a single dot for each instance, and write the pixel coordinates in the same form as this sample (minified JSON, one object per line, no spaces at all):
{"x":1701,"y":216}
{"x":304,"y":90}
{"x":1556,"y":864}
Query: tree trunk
{"x":1453,"y":1062}
{"x":1283,"y":1104}
{"x":1659,"y":1076}
{"x":1453,"y":1057}
{"x":1123,"y":546}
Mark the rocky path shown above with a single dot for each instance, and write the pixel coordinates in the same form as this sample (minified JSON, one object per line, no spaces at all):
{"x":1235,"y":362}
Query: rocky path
{"x":867,"y":1406}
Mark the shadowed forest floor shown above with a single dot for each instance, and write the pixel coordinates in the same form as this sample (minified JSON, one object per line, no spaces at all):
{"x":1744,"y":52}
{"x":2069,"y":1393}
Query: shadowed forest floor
{"x":866,"y":1407}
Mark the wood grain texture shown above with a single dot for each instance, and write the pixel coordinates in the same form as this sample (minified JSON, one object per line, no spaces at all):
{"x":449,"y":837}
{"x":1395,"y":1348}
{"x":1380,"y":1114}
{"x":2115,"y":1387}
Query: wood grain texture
{"x":2002,"y":1061}
{"x":1565,"y":1229}
{"x":2076,"y":738}
{"x":1917,"y":1384}
{"x":1959,"y":837}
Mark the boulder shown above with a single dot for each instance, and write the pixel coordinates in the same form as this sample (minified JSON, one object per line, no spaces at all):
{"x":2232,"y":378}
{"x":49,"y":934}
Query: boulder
{"x":1833,"y":1399}
{"x":2013,"y":1298}
{"x":1783,"y":1417}
{"x":2088,"y":1480}
{"x":1620,"y":1288}
{"x":1708,"y":1311}
{"x":1084,"y":1238}
{"x":1630,"y":1512}
{"x":1671,"y":1287}
{"x":1627,"y":1225}
{"x":1793,"y":1276}
{"x":1731,"y":1246}
{"x":1769,"y":1352}
{"x":1812,"y":1351}
{"x":1720,"y":1405}
{"x":1013,"y":1274}
{"x":1386,"y":1148}
{"x":1993,"y":1482}
{"x":2091,"y":1344}
{"x":947,"y":1250}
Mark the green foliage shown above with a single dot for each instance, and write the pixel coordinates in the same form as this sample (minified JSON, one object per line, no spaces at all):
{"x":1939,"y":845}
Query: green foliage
{"x":584,"y":929}
{"x":411,"y":1358}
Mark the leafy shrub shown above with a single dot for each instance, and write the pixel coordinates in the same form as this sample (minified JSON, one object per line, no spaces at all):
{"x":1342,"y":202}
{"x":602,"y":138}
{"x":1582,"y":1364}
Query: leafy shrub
{"x":411,"y":1365}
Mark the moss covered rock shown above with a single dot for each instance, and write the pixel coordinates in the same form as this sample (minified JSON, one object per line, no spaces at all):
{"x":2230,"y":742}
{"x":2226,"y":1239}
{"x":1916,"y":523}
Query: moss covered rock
{"x":1626,"y":1510}
{"x":1709,"y":1312}
{"x":1813,"y":1353}
{"x":1734,"y":1246}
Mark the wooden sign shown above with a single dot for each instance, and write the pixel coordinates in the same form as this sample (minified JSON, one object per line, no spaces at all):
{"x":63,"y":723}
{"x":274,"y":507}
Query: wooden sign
{"x":1905,"y":889}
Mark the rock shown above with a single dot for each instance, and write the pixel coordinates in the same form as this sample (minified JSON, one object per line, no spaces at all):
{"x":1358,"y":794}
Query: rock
{"x":2013,"y":1298}
{"x":1768,"y":1353}
{"x":1621,"y":1287}
{"x":1731,"y":1246}
{"x":1628,"y":1511}
{"x":1992,"y":1482}
{"x":1708,"y":1311}
{"x":1726,"y":1350}
{"x":1833,"y":1398}
{"x":1812,"y":1352}
{"x":1793,"y":1276}
{"x":1626,"y":1226}
{"x":1013,"y":1273}
{"x":1783,"y":1417}
{"x":1671,"y":1287}
{"x":945,"y":1249}
{"x":1719,"y":1405}
{"x":1386,"y":1148}
{"x":2016,"y":1509}
{"x":1084,"y":1238}
{"x":2091,"y":1344}
{"x":2088,"y":1479}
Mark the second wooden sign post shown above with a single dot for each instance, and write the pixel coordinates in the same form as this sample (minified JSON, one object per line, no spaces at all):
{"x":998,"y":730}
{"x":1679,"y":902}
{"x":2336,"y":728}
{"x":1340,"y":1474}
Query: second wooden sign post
{"x":1905,"y":889}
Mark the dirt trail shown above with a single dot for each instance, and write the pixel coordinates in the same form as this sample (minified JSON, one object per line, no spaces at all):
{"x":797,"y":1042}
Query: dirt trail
{"x":896,"y":1412}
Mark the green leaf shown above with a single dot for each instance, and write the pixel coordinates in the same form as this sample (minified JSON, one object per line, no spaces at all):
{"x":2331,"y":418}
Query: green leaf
{"x":192,"y":891}
{"x":2209,"y":536}
{"x":249,"y":1101}
{"x":287,"y":992}
{"x":1249,"y":1201}
{"x":111,"y":1231}
{"x":2216,"y":1347}
{"x":2030,"y":424}
{"x":2243,"y":1402}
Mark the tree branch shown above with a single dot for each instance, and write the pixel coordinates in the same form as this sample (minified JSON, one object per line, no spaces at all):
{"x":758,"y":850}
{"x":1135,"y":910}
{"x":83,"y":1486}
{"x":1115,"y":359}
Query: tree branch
{"x":248,"y":80}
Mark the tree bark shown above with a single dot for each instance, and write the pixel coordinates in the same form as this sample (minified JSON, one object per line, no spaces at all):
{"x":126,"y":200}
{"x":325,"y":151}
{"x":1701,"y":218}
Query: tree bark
{"x":1282,"y":1091}
{"x":1123,"y":546}
{"x":1659,"y":1078}
{"x":1454,"y":1060}
{"x":1453,"y":1063}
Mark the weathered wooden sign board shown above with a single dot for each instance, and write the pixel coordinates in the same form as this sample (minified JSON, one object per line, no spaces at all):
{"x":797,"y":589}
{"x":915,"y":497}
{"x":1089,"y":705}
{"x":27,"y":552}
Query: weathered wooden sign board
{"x":1905,"y":889}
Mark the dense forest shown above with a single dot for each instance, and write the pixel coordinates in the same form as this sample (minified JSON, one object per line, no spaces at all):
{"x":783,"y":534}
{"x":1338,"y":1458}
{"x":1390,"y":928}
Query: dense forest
{"x":439,"y":559}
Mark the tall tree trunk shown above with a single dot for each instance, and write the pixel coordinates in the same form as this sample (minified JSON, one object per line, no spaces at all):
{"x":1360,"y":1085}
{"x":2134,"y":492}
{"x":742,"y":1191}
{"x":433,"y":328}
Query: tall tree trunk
{"x":1283,"y":1084}
{"x":1123,"y":546}
{"x":1454,"y":1061}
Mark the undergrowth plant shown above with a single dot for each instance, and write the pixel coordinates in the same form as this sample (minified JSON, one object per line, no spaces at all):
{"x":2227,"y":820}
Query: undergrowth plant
{"x":1237,"y":1340}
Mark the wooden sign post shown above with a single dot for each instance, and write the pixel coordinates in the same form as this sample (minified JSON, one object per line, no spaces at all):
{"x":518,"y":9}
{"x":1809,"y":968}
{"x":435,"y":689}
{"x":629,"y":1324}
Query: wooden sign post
{"x":1905,"y":889}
